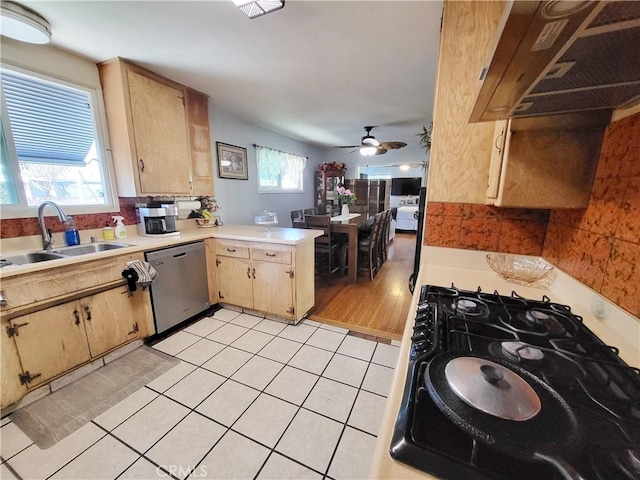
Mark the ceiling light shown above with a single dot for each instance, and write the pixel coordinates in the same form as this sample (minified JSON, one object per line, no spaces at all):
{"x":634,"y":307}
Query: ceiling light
{"x":23,"y":24}
{"x":368,"y":151}
{"x":370,"y":140}
{"x":257,"y":8}
{"x":404,"y":168}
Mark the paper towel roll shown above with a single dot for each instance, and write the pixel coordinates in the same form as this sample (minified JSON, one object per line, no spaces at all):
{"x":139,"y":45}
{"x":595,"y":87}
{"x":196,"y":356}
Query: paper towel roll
{"x":185,"y":207}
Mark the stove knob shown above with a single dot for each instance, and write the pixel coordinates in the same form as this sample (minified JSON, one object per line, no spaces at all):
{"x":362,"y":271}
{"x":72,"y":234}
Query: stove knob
{"x":418,"y":337}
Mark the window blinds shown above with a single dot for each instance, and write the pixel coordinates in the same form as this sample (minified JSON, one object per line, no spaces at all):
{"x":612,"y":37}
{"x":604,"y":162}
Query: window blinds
{"x":50,"y":123}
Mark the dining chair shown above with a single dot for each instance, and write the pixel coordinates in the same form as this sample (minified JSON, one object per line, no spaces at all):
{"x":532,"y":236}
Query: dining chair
{"x":383,"y":237}
{"x":330,"y":251}
{"x":368,"y":248}
{"x":297,"y":219}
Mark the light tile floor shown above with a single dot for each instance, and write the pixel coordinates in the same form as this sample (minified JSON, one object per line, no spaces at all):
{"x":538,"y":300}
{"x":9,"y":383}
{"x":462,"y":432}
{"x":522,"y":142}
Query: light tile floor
{"x":251,"y":398}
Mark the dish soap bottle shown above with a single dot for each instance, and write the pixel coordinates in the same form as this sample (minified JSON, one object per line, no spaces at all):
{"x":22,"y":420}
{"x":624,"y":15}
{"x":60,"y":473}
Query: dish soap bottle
{"x":121,"y":230}
{"x":71,"y":234}
{"x":107,"y":232}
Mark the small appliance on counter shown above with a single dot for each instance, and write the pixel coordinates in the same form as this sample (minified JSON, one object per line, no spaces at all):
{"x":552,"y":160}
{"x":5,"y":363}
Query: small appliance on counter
{"x":503,"y":387}
{"x":157,"y":220}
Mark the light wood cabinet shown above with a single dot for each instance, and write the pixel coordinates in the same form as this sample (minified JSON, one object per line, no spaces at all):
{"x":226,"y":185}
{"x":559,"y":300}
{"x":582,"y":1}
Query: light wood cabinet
{"x":57,"y":320}
{"x":460,"y":151}
{"x":544,"y":162}
{"x":110,"y":319}
{"x":50,"y":342}
{"x":156,"y":126}
{"x":271,"y":278}
{"x":544,"y":166}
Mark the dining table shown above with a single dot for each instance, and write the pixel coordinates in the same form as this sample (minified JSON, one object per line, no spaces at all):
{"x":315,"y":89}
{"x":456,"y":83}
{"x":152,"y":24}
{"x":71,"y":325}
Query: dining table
{"x":350,"y":224}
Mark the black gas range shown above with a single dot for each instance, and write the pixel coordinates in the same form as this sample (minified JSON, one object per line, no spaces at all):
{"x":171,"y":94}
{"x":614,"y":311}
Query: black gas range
{"x":503,"y":387}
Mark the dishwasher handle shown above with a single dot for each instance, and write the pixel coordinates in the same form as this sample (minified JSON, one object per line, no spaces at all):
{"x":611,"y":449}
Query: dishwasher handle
{"x":180,"y":255}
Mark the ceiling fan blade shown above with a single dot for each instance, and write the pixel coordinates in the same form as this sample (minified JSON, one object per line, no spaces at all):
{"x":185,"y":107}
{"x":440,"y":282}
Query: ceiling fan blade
{"x":381,"y":150}
{"x":348,"y":146}
{"x":393,"y":145}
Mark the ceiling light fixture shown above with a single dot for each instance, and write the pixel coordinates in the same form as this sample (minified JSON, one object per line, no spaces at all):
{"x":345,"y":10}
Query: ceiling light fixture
{"x":404,"y":168}
{"x":257,"y":8}
{"x":22,"y":24}
{"x":368,"y":151}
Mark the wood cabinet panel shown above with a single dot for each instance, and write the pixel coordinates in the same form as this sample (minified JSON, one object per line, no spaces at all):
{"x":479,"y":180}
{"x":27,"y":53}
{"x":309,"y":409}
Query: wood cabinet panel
{"x":156,"y":126}
{"x":160,"y":130}
{"x":109,"y":320}
{"x":51,"y":341}
{"x":197,"y":105}
{"x":273,"y":289}
{"x":460,"y":151}
{"x":235,"y":283}
{"x":37,"y":288}
{"x":275,"y":279}
{"x":212,"y":280}
{"x":10,"y":369}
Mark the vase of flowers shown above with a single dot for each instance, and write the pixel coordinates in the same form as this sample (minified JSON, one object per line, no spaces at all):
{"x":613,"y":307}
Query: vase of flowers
{"x":346,"y":197}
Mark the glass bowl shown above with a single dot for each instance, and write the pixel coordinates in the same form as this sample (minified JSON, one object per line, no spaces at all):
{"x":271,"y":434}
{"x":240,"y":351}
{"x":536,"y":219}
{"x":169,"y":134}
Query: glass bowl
{"x":519,"y":268}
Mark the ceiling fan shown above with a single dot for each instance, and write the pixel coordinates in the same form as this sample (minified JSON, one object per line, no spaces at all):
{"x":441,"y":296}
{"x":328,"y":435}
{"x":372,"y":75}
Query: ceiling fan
{"x":370,"y":146}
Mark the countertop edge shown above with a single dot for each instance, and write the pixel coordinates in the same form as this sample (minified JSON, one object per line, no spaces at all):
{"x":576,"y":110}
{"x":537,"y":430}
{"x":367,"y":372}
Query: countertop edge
{"x":249,"y":233}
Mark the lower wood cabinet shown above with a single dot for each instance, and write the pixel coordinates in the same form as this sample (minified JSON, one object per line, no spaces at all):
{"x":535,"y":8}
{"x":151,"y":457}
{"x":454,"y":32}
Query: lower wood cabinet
{"x":52,"y":341}
{"x":271,"y":278}
{"x":57,"y":320}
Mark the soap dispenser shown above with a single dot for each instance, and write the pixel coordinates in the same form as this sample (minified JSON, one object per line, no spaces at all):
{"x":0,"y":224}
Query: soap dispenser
{"x":71,"y":234}
{"x":121,"y":230}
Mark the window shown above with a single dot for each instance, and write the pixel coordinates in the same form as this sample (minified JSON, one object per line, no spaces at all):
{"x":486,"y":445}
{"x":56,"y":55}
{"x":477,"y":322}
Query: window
{"x":279,"y":171}
{"x":51,"y":149}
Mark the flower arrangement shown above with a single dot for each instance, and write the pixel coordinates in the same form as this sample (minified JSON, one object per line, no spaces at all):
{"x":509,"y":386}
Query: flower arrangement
{"x":208,"y":207}
{"x":345,"y":196}
{"x":331,"y":166}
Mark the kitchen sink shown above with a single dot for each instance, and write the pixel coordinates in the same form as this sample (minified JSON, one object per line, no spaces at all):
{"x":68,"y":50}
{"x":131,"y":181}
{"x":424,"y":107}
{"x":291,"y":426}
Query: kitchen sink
{"x":89,"y":248}
{"x":24,"y":258}
{"x":34,"y":257}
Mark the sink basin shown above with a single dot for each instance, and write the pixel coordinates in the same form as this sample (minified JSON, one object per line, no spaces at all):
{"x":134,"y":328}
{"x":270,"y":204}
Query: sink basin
{"x":24,"y":258}
{"x":34,"y":257}
{"x":89,"y":248}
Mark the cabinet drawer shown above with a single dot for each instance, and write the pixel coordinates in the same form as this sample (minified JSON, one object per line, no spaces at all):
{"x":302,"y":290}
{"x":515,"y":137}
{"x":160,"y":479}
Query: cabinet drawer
{"x":273,"y":256}
{"x":232,"y":250}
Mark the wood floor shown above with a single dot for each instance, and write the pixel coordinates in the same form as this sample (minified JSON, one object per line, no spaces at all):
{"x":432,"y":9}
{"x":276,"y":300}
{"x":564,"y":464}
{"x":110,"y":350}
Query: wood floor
{"x":377,"y":307}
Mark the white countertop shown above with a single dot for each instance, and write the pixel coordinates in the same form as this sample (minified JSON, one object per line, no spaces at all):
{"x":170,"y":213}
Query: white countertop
{"x":252,"y":233}
{"x":468,"y":270}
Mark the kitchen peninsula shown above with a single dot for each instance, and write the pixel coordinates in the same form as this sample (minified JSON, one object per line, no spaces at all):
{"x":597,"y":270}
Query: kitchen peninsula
{"x":276,"y":279}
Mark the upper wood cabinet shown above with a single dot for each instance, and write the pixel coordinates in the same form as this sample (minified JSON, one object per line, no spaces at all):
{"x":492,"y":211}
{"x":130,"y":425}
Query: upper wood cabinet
{"x":156,"y":126}
{"x":544,"y":162}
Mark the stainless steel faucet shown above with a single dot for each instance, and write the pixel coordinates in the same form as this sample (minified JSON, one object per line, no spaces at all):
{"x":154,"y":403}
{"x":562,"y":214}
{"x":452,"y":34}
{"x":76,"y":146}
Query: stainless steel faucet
{"x":47,"y":241}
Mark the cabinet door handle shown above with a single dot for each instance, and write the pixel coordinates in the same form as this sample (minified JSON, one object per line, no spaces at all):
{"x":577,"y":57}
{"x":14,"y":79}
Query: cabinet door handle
{"x":141,"y":165}
{"x":232,"y":250}
{"x":270,"y":254}
{"x":498,"y":142}
{"x":87,"y":312}
{"x":248,"y":272}
{"x":77,"y":315}
{"x":254,"y":273}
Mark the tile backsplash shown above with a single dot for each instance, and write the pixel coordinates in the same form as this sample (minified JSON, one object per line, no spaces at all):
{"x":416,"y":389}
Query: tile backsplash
{"x":21,"y":227}
{"x":482,"y":227}
{"x":599,"y":245}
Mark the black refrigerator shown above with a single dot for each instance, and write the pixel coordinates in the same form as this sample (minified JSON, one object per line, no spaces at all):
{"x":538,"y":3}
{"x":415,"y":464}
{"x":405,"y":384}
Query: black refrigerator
{"x":422,"y":201}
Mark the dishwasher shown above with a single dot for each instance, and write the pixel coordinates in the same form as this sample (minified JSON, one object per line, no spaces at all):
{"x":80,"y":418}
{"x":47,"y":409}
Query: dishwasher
{"x":180,"y":291}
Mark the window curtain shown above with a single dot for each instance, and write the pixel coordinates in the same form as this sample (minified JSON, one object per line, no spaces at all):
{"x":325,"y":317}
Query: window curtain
{"x":279,"y":170}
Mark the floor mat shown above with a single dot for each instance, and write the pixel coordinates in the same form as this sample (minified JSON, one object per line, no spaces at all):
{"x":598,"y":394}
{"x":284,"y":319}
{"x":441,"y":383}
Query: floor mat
{"x":59,"y":414}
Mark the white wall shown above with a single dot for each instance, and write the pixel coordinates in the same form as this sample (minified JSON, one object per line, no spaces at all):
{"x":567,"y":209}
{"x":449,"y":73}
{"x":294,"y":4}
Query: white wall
{"x":239,"y":199}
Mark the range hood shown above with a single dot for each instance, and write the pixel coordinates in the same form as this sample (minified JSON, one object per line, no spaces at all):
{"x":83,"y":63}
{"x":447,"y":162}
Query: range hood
{"x":562,"y":56}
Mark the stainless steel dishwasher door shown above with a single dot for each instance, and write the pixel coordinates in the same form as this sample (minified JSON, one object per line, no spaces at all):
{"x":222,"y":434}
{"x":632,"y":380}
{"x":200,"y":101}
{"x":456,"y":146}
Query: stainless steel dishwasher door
{"x":180,"y":291}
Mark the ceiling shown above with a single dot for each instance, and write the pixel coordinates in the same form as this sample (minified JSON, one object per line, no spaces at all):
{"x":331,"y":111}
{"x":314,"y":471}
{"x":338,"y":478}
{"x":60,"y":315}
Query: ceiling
{"x":317,"y":71}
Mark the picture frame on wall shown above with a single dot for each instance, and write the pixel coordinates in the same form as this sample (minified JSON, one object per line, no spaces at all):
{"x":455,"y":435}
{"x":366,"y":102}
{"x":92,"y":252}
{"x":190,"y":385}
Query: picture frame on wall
{"x":232,"y":161}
